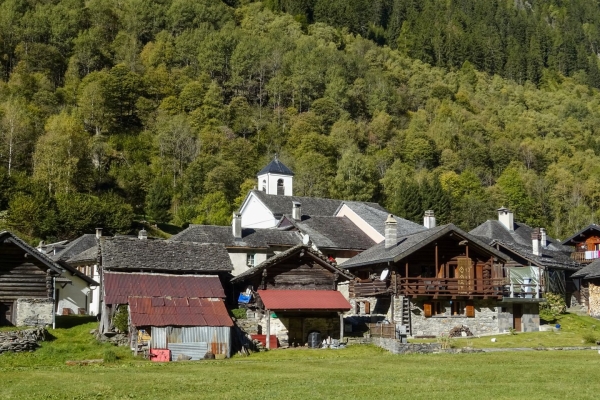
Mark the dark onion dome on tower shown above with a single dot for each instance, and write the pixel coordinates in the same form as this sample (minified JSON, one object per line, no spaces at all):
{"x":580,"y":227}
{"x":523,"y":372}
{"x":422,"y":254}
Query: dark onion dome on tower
{"x":276,"y":167}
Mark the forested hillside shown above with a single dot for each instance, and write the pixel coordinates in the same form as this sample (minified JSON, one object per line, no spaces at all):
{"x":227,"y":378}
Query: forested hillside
{"x":112,"y":111}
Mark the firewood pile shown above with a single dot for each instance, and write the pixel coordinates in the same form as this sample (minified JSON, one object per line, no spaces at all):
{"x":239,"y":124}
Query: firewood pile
{"x":460,"y":331}
{"x":594,"y":300}
{"x":21,"y":341}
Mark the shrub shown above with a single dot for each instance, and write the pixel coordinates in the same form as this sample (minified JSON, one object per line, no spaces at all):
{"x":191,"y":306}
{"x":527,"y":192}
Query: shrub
{"x":239,"y":313}
{"x":110,"y":356}
{"x":121,"y":319}
{"x":589,"y":338}
{"x":553,"y":307}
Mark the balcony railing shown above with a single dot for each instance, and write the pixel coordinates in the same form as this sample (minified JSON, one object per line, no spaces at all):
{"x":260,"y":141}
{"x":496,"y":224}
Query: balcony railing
{"x":580,"y":256}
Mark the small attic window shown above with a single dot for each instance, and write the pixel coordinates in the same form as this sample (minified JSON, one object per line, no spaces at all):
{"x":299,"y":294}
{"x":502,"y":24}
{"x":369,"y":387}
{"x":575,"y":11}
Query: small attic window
{"x":264,"y":185}
{"x":280,"y":187}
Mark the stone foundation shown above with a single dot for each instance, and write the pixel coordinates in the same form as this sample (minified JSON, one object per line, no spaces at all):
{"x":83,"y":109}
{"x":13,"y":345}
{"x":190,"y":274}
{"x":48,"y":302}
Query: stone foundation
{"x":34,"y":312}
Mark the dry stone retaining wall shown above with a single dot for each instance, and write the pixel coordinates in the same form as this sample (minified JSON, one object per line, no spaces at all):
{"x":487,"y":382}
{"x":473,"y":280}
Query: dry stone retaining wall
{"x":20,"y":341}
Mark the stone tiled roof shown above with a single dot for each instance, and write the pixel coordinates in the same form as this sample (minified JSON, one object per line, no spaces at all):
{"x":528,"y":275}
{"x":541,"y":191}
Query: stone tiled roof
{"x":590,"y":271}
{"x":494,"y":230}
{"x":123,"y":253}
{"x":408,"y":244}
{"x":276,"y":167}
{"x":253,"y":238}
{"x":591,"y":229}
{"x":549,"y":258}
{"x":288,"y":253}
{"x":375,"y":215}
{"x":334,"y":233}
{"x":76,"y":247}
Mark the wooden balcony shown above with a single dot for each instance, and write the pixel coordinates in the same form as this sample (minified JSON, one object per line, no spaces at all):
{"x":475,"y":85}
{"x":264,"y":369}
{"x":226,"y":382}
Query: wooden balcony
{"x":453,"y":287}
{"x":579,"y":256}
{"x":371,"y":287}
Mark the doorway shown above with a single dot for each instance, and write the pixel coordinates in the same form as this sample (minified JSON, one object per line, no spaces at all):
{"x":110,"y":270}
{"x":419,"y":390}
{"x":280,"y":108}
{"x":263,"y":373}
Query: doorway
{"x":6,"y":314}
{"x":517,"y":317}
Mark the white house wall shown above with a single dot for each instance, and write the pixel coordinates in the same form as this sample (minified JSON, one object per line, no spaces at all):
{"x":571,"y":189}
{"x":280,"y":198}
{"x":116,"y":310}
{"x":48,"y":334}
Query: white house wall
{"x":73,"y":295}
{"x":256,"y":215}
{"x":94,"y":308}
{"x":347,"y":212}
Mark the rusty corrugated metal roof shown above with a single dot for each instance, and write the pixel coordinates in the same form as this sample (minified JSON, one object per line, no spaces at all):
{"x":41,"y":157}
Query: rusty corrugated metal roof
{"x":178,"y":311}
{"x":323,"y":300}
{"x":118,"y":286}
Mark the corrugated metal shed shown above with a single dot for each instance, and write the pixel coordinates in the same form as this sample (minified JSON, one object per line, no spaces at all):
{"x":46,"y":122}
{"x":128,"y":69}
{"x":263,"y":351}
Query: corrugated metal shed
{"x":217,"y":338}
{"x":196,"y":351}
{"x":119,"y":286}
{"x":178,"y":311}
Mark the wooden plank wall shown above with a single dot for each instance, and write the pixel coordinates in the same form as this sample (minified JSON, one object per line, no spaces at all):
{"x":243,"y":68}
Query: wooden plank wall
{"x":304,"y":276}
{"x":19,"y":276}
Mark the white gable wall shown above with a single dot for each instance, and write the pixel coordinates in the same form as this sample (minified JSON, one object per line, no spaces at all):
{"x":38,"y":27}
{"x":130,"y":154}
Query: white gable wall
{"x":270,"y":182}
{"x":347,"y":212}
{"x":256,"y":215}
{"x":73,"y":295}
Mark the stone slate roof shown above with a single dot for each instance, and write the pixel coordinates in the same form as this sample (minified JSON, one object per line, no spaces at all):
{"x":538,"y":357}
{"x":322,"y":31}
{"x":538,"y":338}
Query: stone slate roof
{"x":494,"y":230}
{"x":334,"y":233}
{"x":376,"y":216}
{"x":549,"y":258}
{"x":276,"y":167}
{"x":73,"y":251}
{"x":591,"y":229}
{"x":123,"y":253}
{"x":408,"y":244}
{"x":289,"y":253}
{"x":312,"y":206}
{"x":590,"y":271}
{"x":6,"y":236}
{"x":253,"y":238}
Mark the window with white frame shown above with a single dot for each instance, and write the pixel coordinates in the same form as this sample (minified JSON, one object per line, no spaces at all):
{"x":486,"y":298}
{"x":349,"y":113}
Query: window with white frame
{"x":250,"y":260}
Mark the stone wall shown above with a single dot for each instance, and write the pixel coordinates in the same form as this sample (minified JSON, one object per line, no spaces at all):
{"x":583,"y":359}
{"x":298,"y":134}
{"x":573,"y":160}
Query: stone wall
{"x":396,"y":347}
{"x":20,"y":341}
{"x":484,"y":322}
{"x":594,"y":299}
{"x":34,"y":312}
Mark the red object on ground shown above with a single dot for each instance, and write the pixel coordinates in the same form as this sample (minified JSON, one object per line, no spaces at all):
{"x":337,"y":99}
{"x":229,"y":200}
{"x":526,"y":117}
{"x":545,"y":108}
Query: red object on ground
{"x":293,"y":300}
{"x":159,"y":355}
{"x":263,"y":340}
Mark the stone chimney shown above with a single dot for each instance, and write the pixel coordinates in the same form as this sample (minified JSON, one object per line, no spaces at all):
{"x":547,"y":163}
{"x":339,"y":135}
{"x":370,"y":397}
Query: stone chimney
{"x":296,"y":210}
{"x":143,"y":235}
{"x":98,"y":233}
{"x":535,"y":242}
{"x":429,"y":219}
{"x":506,"y":218}
{"x":236,"y":225}
{"x":543,"y":238}
{"x":391,"y":232}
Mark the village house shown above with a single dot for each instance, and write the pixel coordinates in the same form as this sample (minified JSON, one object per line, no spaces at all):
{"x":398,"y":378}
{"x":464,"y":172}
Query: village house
{"x":588,"y":279}
{"x":172,"y":291}
{"x":33,"y":287}
{"x":429,"y":282}
{"x":536,"y":260}
{"x":293,"y":295}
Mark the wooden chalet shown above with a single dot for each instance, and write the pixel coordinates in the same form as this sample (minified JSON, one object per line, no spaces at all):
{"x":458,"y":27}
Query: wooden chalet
{"x":293,"y":294}
{"x":430,"y":281}
{"x":27,"y":283}
{"x":586,"y":244}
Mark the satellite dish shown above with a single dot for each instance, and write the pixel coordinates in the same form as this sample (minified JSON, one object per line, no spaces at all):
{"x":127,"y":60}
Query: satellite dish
{"x":384,"y":274}
{"x":306,"y":240}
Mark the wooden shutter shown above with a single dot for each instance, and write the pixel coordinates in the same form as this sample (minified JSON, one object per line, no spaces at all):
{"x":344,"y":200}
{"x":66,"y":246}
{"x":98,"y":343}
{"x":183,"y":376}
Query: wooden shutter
{"x":367,"y":307}
{"x":427,"y":309}
{"x":470,"y":310}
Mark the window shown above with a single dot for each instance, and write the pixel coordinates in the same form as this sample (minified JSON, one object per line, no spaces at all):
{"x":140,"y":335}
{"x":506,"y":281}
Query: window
{"x":250,"y":260}
{"x":280,"y":187}
{"x":264,"y":185}
{"x":431,"y":308}
{"x":457,"y":308}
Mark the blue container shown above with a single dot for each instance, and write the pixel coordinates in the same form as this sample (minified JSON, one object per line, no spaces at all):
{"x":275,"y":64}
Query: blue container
{"x":557,"y":326}
{"x":244,"y":298}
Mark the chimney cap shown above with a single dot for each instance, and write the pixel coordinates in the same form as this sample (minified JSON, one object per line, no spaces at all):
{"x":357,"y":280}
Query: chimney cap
{"x":390,"y":219}
{"x":296,"y":203}
{"x":143,"y":234}
{"x":429,"y":213}
{"x":503,"y":209}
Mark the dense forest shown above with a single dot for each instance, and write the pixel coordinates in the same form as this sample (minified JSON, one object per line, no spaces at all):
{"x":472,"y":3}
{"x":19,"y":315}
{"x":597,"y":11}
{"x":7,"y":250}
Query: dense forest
{"x":116,"y":111}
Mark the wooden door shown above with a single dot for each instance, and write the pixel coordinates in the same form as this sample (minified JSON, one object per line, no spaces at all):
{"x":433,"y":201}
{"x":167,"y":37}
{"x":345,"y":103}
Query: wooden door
{"x":517,"y":316}
{"x":465,"y":273}
{"x":6,"y":314}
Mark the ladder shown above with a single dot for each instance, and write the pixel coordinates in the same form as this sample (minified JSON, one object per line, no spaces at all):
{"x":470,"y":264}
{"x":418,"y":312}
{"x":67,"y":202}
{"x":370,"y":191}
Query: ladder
{"x":406,"y":314}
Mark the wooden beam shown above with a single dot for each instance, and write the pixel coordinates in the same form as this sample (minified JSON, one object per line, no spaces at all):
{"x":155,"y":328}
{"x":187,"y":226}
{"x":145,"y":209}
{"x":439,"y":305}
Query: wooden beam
{"x":341,"y":326}
{"x":437,"y":271}
{"x":268,"y":329}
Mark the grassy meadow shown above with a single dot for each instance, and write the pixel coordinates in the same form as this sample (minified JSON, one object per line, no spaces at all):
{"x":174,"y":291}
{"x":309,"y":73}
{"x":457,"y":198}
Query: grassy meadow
{"x":356,"y":372}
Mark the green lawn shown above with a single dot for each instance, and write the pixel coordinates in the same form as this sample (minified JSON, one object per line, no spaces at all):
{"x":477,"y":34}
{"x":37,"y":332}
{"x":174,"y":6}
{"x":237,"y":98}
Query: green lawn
{"x":363,"y":372}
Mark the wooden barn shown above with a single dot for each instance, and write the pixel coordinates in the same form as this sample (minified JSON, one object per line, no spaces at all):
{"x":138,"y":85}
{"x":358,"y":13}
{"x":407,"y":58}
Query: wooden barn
{"x":293,"y":294}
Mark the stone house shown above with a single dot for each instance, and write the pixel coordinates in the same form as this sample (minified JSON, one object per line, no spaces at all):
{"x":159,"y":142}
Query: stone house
{"x":589,"y":277}
{"x":293,"y":294}
{"x":434,"y":280}
{"x":536,"y":261}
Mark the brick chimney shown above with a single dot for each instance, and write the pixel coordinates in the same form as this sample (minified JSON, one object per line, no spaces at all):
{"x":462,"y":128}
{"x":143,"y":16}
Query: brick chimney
{"x":536,"y":242}
{"x":429,"y":219}
{"x":296,"y":210}
{"x":236,"y":225}
{"x":506,"y":218}
{"x":391,"y":232}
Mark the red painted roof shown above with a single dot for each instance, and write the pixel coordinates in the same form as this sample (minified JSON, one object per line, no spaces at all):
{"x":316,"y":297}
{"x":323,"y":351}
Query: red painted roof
{"x":282,"y":300}
{"x":120,"y":285}
{"x":178,"y":311}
